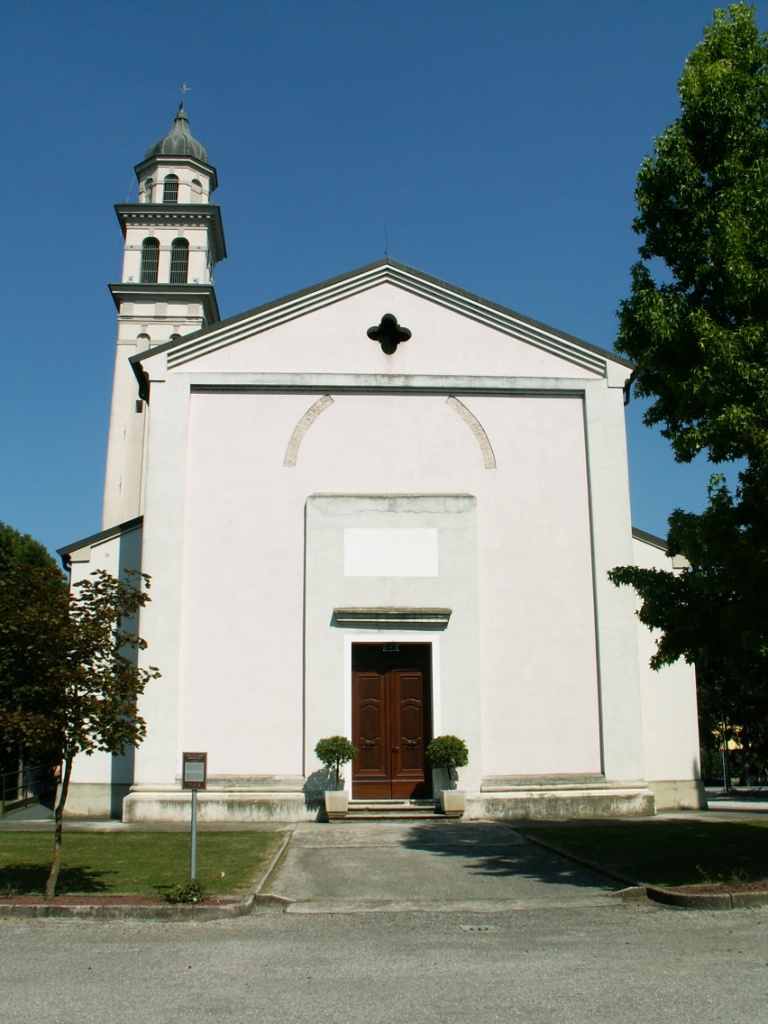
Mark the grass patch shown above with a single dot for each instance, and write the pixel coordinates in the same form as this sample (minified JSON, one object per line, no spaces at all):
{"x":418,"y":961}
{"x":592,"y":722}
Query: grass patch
{"x":667,"y":852}
{"x":133,"y":862}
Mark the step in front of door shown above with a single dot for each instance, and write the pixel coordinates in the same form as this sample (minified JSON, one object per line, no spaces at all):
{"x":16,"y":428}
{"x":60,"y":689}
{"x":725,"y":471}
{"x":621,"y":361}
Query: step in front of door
{"x":392,"y":810}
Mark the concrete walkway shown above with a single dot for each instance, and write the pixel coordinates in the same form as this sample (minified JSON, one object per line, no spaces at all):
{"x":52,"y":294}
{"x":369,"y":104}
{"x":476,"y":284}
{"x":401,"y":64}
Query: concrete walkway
{"x":466,"y":866}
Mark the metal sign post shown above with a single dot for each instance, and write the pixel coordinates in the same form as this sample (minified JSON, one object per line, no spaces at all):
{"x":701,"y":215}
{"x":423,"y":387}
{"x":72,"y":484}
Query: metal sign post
{"x":194,"y":776}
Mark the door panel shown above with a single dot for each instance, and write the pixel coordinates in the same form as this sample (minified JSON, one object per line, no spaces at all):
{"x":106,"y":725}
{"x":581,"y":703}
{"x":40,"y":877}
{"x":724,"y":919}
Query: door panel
{"x":370,"y":729}
{"x":392,"y":720}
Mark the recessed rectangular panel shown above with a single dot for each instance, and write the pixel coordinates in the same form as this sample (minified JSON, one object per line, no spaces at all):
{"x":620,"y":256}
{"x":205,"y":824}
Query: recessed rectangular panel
{"x":390,"y":552}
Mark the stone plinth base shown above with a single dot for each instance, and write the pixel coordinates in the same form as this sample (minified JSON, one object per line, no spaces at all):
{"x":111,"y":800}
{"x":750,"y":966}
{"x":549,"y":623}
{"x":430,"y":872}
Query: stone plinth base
{"x":95,"y":800}
{"x":279,"y":799}
{"x":685,"y":795}
{"x":219,"y":806}
{"x":561,"y":803}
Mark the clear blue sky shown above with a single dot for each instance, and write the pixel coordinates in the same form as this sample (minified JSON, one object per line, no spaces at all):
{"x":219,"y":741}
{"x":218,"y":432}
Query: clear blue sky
{"x":493,"y":143}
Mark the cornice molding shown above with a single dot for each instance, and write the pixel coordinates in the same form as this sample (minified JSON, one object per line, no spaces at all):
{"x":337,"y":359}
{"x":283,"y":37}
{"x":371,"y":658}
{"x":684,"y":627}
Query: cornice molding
{"x":130,"y":291}
{"x":161,"y":214}
{"x":281,"y":311}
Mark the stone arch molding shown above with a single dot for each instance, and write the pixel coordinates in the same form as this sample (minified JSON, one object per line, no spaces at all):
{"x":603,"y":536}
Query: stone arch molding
{"x":306,"y":421}
{"x":474,"y":424}
{"x":318,"y":407}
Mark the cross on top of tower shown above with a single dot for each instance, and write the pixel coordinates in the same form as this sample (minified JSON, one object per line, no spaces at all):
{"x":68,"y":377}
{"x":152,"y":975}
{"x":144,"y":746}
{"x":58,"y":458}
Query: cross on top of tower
{"x":183,"y":89}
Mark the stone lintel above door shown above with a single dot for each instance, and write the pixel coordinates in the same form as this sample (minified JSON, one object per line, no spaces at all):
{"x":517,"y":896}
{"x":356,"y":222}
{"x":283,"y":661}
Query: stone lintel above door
{"x":402,"y":618}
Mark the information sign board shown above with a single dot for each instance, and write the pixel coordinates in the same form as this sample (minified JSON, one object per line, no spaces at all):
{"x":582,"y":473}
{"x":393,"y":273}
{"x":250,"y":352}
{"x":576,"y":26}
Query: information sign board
{"x":194,"y":773}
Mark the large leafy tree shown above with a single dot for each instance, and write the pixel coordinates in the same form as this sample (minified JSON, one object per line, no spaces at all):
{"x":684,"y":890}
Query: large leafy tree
{"x":33,"y":612}
{"x":696,"y":327}
{"x":21,"y":549}
{"x":69,"y":674}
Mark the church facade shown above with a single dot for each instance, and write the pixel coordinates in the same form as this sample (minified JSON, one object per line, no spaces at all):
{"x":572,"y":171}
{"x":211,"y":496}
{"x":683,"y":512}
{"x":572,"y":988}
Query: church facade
{"x":381,"y":507}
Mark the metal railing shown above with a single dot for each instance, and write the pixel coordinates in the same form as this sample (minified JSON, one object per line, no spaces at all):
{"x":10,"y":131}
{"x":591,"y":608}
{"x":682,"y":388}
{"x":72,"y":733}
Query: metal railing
{"x":26,"y":786}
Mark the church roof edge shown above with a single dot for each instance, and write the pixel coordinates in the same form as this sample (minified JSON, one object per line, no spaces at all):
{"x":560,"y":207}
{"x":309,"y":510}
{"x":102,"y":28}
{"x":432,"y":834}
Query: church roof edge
{"x":649,"y":538}
{"x":95,"y":538}
{"x":367,"y":270}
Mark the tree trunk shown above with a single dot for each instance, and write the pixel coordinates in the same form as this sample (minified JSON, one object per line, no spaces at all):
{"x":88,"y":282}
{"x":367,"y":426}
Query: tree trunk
{"x":726,"y":754}
{"x":58,"y":821}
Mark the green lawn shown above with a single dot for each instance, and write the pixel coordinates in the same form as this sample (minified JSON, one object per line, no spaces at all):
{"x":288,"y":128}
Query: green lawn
{"x":133,"y":862}
{"x":667,"y":852}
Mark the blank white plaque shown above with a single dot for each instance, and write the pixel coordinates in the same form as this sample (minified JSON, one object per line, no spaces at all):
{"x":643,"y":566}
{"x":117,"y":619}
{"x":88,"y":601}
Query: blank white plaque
{"x":390,"y":552}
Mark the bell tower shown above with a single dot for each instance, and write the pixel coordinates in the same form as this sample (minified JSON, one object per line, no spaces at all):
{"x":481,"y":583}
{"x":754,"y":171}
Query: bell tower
{"x":173,"y":238}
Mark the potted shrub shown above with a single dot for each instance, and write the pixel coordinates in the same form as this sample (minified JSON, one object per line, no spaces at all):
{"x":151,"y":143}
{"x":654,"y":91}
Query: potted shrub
{"x":333,"y":752}
{"x":449,"y":753}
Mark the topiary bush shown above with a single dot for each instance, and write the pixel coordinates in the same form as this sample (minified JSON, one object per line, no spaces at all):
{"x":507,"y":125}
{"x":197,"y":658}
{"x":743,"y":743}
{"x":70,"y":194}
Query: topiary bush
{"x":447,"y":752}
{"x":334,"y":751}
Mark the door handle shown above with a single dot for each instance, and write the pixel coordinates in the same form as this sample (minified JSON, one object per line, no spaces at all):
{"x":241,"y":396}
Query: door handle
{"x":395,"y":749}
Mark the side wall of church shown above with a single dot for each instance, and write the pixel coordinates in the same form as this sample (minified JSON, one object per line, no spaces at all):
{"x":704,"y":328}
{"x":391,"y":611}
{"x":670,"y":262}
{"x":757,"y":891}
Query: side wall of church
{"x":670,"y":718}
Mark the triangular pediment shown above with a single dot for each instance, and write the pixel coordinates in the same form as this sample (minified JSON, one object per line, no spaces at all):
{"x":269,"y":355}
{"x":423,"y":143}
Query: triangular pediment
{"x":390,"y":279}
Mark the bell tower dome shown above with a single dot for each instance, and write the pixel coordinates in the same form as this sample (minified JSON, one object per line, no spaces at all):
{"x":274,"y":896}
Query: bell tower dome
{"x":173,"y":238}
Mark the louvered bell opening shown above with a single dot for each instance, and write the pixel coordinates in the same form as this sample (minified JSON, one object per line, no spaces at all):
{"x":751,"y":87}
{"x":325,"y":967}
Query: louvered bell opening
{"x":150,"y":258}
{"x":171,"y":189}
{"x":179,"y":261}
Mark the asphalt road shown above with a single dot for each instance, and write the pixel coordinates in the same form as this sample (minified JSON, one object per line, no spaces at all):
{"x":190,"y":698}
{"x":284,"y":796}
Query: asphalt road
{"x":610,"y":963}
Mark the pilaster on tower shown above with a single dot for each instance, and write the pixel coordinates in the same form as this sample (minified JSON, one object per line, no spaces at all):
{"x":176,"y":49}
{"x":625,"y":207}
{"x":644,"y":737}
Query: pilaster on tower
{"x":173,"y":238}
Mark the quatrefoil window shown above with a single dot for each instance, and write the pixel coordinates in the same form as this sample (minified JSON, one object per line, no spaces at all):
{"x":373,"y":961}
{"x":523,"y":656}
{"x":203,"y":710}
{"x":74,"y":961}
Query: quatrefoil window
{"x":389,"y":333}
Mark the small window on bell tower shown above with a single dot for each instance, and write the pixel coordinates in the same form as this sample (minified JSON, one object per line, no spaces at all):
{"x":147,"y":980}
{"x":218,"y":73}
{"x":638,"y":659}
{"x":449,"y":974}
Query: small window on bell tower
{"x":171,"y":189}
{"x":150,"y":258}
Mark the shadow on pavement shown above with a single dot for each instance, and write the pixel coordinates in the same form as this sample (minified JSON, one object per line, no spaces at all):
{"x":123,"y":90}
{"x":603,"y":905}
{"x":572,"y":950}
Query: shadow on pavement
{"x":496,"y":850}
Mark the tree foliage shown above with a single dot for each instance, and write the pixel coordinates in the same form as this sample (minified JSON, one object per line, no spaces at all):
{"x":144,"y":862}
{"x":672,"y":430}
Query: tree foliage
{"x":698,"y":337}
{"x":447,"y":752}
{"x":69,"y":673}
{"x":335,"y":751}
{"x":698,"y":334}
{"x":18,"y":549}
{"x":33,"y":613}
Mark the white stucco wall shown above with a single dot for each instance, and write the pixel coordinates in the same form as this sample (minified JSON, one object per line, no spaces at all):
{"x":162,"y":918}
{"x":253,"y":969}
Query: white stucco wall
{"x":670,"y":723}
{"x":225,"y":534}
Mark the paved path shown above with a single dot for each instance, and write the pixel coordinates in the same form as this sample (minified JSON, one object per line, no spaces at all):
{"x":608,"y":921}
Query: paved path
{"x":464,"y":866}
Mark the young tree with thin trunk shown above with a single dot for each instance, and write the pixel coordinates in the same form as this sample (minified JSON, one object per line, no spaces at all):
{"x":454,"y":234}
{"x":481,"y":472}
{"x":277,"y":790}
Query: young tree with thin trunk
{"x":69,"y":678}
{"x":101,"y":681}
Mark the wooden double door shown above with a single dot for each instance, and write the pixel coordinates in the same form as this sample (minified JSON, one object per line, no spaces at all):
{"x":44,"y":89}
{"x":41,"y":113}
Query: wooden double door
{"x":391,"y":720}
